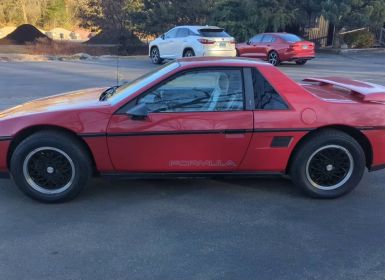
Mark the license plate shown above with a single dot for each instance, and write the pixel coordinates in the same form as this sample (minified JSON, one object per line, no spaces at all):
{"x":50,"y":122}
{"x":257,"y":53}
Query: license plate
{"x":304,"y":47}
{"x":222,"y":44}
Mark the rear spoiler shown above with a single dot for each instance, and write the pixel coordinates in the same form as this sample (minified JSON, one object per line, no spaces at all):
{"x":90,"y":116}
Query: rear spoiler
{"x":364,"y":90}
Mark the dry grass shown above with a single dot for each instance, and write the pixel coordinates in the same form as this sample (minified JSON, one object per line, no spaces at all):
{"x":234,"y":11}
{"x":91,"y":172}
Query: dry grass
{"x":13,"y":49}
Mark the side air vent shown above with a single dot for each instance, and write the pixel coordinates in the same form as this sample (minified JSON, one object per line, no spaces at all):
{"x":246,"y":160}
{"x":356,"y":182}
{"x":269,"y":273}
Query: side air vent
{"x":281,"y":141}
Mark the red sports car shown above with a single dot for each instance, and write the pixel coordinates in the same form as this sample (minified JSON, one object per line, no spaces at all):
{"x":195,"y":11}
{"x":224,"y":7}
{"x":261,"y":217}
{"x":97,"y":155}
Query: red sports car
{"x":198,"y":117}
{"x":277,"y":47}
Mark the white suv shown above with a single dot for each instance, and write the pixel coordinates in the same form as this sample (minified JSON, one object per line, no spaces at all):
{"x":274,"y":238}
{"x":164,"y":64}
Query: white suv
{"x":185,"y":41}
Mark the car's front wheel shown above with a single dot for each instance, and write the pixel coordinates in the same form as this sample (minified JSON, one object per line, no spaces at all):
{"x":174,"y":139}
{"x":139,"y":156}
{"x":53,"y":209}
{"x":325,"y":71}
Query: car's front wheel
{"x":155,"y":56}
{"x":328,"y":165}
{"x":50,"y":166}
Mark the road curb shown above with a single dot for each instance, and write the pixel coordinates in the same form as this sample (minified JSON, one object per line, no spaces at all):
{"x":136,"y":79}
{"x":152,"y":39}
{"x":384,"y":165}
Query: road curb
{"x":352,"y":51}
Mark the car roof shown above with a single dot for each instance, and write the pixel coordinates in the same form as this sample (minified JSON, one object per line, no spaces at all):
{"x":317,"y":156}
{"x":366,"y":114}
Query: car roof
{"x":220,"y":62}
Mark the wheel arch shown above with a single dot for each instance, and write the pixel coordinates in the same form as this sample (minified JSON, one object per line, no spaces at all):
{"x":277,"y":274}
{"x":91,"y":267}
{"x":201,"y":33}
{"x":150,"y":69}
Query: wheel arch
{"x":355,"y":133}
{"x":187,"y":48}
{"x":152,"y":47}
{"x":26,"y":132}
{"x":272,"y":50}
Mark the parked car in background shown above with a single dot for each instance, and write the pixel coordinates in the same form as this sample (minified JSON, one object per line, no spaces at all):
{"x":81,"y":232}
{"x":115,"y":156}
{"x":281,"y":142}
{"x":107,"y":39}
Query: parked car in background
{"x":187,"y":41}
{"x":277,"y":47}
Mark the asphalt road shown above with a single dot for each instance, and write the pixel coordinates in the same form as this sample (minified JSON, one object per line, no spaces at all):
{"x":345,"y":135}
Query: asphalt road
{"x":188,"y":229}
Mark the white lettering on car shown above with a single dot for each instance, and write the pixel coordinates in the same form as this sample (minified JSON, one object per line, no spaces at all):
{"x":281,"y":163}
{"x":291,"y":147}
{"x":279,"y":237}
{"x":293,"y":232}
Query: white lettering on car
{"x":202,"y":163}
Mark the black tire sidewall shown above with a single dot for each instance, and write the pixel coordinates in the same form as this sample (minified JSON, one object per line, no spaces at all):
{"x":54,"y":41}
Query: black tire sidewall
{"x":68,"y":145}
{"x":187,"y":51}
{"x":298,"y":170}
{"x":159,"y":59}
{"x":278,"y":60}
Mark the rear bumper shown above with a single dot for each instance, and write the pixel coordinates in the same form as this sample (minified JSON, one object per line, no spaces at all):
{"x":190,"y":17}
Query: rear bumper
{"x":297,"y":55}
{"x":4,"y":147}
{"x":301,"y":58}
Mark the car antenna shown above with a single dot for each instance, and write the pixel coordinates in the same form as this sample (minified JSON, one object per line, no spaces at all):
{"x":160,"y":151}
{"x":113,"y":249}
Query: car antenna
{"x":117,"y":68}
{"x":120,"y":43}
{"x":117,"y":59}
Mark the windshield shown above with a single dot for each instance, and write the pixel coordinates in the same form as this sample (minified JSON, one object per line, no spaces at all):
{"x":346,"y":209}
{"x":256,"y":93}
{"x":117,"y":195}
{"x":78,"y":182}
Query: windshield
{"x":130,"y":88}
{"x":291,"y":38}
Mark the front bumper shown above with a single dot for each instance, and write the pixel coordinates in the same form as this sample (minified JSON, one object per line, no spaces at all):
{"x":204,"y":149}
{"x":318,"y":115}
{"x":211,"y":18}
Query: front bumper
{"x":4,"y":148}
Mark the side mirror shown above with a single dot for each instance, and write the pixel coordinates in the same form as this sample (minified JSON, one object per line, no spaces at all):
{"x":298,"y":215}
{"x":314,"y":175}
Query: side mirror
{"x":248,"y":42}
{"x":139,"y":112}
{"x":163,"y":36}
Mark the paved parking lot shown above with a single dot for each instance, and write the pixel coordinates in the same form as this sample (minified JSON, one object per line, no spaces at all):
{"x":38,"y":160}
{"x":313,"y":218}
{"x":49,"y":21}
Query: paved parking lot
{"x":188,"y":229}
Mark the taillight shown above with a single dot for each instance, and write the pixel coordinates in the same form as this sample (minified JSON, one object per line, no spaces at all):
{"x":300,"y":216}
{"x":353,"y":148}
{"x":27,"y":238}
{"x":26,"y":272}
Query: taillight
{"x":232,"y":42}
{"x":206,"y":41}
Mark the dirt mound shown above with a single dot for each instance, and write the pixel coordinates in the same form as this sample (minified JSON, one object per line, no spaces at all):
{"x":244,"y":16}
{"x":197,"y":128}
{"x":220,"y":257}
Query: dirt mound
{"x":24,"y":34}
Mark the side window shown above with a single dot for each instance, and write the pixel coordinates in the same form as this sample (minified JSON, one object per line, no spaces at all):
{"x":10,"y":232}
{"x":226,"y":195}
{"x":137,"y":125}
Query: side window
{"x":256,"y":39}
{"x":171,"y":33}
{"x":182,"y":32}
{"x":267,"y":39}
{"x":198,"y":91}
{"x":192,"y":33}
{"x":266,"y":97}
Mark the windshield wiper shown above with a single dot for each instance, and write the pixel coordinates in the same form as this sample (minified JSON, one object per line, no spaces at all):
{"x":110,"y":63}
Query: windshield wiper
{"x":108,"y":93}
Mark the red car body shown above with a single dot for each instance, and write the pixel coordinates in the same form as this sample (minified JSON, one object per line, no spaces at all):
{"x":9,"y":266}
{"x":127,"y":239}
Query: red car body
{"x":249,"y":141}
{"x":289,"y":47}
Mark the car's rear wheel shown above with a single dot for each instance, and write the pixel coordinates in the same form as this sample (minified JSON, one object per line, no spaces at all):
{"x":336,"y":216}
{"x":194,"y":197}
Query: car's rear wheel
{"x":328,"y":165}
{"x":50,"y":166}
{"x":188,"y":53}
{"x":301,"y":61}
{"x":155,"y":56}
{"x":273,"y":58}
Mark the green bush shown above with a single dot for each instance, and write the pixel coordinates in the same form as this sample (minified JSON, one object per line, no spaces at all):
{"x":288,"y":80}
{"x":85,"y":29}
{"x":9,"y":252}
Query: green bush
{"x":359,"y":39}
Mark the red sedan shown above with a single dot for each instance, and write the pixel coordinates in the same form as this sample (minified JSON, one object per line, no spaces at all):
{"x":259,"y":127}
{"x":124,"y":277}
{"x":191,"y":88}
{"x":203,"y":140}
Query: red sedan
{"x":198,"y":117}
{"x":277,"y":47}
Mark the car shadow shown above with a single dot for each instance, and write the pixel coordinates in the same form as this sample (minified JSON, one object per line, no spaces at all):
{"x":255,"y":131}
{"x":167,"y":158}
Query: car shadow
{"x":162,"y":188}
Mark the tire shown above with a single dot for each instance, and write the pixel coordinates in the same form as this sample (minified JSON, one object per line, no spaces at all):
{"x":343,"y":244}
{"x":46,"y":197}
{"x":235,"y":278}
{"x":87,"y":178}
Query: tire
{"x":155,"y":56}
{"x":300,"y":62}
{"x":50,"y":166}
{"x":188,"y":53}
{"x":273,"y":58}
{"x":328,"y":165}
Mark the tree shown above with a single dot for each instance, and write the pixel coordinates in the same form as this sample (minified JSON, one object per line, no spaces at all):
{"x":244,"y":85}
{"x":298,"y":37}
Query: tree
{"x":350,"y":14}
{"x":159,"y":16}
{"x":116,"y":15}
{"x":246,"y":18}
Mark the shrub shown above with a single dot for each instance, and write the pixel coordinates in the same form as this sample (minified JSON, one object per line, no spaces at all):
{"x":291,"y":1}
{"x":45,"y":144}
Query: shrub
{"x":359,"y":39}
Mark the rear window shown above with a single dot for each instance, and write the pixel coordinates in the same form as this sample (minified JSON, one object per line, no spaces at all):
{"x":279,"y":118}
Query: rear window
{"x":290,"y":38}
{"x":213,"y":33}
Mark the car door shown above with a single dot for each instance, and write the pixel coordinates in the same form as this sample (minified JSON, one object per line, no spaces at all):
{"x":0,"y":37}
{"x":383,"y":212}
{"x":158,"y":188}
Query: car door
{"x":167,"y":44}
{"x":252,"y":48}
{"x":266,"y":45}
{"x":180,"y":42}
{"x":196,"y":122}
